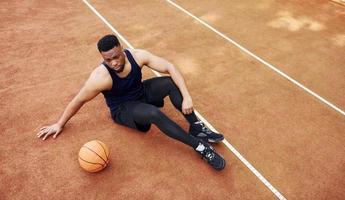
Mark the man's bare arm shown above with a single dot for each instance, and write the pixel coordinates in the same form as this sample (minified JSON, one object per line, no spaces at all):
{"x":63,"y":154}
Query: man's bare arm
{"x":90,"y":90}
{"x":84,"y":95}
{"x":161,"y":65}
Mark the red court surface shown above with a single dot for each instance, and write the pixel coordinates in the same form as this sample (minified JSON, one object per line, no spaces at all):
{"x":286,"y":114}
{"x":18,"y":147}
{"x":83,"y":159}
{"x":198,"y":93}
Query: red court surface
{"x":292,"y":138}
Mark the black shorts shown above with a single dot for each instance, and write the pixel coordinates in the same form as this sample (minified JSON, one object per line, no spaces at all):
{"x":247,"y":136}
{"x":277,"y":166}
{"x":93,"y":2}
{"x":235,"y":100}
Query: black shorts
{"x":124,"y":113}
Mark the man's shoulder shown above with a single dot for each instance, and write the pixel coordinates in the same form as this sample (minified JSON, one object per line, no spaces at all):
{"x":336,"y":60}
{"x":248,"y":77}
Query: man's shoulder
{"x":100,"y":77}
{"x":139,"y":52}
{"x":99,"y":72}
{"x":140,"y":55}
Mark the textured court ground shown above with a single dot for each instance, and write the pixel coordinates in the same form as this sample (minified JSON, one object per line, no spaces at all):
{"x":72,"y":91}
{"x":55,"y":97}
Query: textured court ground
{"x":48,"y":49}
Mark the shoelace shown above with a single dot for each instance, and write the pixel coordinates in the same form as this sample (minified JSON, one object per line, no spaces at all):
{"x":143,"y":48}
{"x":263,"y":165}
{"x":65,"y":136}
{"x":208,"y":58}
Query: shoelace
{"x":209,"y":156}
{"x":208,"y":153}
{"x":204,"y":128}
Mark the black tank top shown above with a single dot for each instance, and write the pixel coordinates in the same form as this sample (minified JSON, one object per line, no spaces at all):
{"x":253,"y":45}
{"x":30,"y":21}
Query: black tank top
{"x":124,"y":89}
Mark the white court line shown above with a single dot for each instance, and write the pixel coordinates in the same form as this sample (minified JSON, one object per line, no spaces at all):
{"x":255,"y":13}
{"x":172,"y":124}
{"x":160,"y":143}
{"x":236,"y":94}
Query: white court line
{"x":245,"y":162}
{"x":231,"y":148}
{"x":114,"y":30}
{"x":259,"y":59}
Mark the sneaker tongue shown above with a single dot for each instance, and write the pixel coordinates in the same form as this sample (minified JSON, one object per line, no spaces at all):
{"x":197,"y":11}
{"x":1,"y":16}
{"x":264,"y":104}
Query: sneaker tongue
{"x":199,"y":123}
{"x":201,"y":147}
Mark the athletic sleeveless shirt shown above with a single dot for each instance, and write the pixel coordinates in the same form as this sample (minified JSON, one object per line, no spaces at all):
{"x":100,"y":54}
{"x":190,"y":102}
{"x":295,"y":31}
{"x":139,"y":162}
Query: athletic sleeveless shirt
{"x":124,"y":89}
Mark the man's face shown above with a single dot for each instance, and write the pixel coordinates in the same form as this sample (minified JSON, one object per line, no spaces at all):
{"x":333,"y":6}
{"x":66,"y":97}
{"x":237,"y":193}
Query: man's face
{"x":115,"y":58}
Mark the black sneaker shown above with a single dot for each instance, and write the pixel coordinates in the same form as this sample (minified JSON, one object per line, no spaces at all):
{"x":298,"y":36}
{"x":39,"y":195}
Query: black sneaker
{"x":212,"y":157}
{"x":199,"y":130}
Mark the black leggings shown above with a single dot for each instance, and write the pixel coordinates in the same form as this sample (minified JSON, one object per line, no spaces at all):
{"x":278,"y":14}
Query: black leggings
{"x":145,"y":113}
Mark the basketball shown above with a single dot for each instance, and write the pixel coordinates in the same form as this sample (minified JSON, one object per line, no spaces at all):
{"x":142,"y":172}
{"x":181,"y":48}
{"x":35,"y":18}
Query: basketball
{"x":94,"y":156}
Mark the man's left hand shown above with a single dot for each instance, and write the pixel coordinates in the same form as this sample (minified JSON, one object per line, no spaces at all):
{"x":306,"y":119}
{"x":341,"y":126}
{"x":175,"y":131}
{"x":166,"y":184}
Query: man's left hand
{"x":187,"y":106}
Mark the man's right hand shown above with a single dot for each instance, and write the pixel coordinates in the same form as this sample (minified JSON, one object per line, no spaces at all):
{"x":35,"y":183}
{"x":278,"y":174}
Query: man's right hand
{"x":46,"y":131}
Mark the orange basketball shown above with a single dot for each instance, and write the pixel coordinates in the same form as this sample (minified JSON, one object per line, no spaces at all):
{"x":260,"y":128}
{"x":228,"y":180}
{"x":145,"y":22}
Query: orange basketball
{"x":94,"y":156}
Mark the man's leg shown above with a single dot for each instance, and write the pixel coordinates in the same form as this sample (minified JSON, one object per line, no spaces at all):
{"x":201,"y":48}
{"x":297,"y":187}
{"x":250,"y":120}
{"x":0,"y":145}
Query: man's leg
{"x":157,"y":89}
{"x":146,"y":114}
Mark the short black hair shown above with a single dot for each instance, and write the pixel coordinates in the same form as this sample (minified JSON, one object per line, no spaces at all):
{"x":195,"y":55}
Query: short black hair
{"x":107,"y":42}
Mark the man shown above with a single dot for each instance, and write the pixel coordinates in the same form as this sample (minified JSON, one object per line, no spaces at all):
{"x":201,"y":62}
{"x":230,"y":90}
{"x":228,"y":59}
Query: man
{"x":135,"y":103}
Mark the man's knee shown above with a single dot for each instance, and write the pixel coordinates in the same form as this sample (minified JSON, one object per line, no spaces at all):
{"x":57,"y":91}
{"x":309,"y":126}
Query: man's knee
{"x":170,"y":83}
{"x":153,"y":112}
